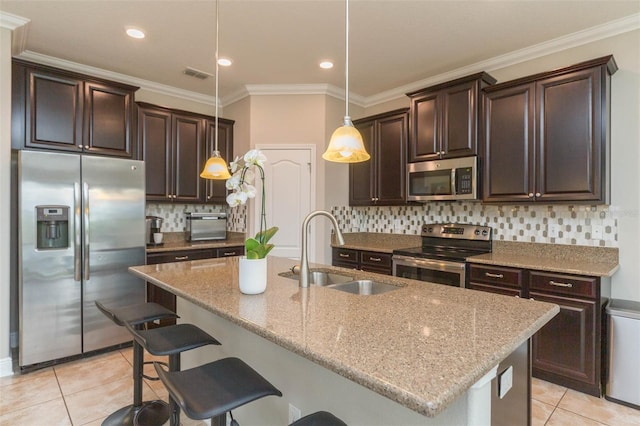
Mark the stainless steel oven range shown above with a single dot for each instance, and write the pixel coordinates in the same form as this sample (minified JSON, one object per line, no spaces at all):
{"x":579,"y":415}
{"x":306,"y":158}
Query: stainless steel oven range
{"x":441,"y":257}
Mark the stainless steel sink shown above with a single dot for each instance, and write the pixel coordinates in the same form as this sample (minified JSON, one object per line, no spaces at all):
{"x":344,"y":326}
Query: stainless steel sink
{"x":321,"y":278}
{"x":364,"y":287}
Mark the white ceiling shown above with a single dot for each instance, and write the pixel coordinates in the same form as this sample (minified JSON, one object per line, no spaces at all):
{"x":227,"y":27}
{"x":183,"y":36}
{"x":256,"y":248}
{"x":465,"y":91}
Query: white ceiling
{"x":394,"y":43}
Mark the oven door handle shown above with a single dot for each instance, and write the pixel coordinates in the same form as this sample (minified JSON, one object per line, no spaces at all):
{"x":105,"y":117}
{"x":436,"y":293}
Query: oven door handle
{"x":441,"y":265}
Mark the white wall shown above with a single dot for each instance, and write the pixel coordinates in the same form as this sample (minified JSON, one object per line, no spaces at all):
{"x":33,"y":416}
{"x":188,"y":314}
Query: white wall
{"x":5,"y":172}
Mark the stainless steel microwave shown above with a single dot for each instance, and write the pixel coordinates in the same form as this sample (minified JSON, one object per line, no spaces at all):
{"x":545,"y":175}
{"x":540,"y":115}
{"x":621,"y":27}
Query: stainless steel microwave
{"x":443,"y":180}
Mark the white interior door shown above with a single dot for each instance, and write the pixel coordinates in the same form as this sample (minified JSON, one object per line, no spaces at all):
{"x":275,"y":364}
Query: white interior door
{"x":289,"y":195}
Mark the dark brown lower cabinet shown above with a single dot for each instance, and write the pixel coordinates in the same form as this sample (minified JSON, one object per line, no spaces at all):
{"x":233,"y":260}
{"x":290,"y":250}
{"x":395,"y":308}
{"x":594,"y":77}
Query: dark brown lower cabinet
{"x":166,"y":298}
{"x":568,"y":350}
{"x":369,"y":261}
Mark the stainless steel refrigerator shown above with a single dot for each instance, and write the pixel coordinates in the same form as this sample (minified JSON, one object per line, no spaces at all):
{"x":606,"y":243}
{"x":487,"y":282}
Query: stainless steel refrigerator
{"x":81,"y":225}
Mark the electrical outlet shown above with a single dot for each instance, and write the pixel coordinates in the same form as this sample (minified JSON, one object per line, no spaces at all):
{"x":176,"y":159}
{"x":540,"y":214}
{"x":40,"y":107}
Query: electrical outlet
{"x":554,"y":231}
{"x":294,"y":413}
{"x":596,"y":232}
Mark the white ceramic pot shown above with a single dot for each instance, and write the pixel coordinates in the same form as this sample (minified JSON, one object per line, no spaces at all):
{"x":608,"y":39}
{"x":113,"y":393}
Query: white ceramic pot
{"x":252,"y":276}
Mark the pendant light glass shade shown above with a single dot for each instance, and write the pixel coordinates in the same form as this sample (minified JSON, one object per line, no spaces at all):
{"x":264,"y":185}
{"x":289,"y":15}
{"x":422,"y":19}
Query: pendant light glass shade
{"x":216,"y":167}
{"x":346,"y":145}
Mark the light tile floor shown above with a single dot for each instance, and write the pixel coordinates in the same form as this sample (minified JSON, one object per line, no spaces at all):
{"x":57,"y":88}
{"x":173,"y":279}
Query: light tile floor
{"x":85,"y":392}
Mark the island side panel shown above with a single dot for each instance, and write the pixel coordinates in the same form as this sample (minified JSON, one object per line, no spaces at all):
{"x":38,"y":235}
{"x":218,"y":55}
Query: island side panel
{"x":303,"y":383}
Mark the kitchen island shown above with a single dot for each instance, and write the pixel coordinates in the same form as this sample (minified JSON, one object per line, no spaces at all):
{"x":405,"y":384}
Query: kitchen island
{"x":429,"y":349}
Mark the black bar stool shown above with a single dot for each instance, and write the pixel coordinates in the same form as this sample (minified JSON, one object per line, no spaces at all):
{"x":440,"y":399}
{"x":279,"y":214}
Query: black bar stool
{"x":172,"y":341}
{"x":149,"y":413}
{"x":211,"y":390}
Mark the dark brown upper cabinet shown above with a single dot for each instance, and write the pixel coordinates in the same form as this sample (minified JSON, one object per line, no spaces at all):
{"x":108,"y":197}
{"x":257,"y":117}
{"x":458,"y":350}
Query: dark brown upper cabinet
{"x":63,"y":111}
{"x":444,"y":118}
{"x":382,"y":179}
{"x":173,"y":151}
{"x":215,"y":190}
{"x":547,"y":136}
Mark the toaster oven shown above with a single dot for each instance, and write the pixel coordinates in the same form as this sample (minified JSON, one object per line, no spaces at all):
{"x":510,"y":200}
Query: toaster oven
{"x":206,"y":226}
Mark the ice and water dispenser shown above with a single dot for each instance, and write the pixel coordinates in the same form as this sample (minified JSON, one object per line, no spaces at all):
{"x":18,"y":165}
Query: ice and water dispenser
{"x":52,"y":227}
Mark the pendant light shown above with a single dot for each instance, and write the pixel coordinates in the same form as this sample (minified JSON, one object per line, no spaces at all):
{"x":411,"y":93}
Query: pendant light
{"x":216,"y":167}
{"x":346,"y":145}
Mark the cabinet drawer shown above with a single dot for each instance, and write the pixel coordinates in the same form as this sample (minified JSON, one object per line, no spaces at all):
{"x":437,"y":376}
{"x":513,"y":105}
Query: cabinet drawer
{"x":496,"y":275}
{"x":345,"y":255}
{"x":230,"y":251}
{"x":179,"y":256}
{"x":375,"y":259}
{"x":564,"y":284}
{"x":495,"y":289}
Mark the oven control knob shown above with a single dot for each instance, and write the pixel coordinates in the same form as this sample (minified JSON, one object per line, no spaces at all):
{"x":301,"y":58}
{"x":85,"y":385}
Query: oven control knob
{"x":477,"y":232}
{"x":430,"y":229}
{"x":484,"y":233}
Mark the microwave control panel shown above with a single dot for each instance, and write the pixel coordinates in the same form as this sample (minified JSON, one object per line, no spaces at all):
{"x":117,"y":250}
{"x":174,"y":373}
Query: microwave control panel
{"x":464,"y":179}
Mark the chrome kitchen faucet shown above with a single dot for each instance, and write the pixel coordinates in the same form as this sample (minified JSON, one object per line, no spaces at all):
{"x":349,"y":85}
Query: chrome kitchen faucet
{"x":304,"y":261}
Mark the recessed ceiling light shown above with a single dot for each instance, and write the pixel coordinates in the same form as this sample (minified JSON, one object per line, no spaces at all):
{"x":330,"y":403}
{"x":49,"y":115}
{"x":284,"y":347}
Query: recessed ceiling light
{"x":224,"y":62}
{"x":135,"y":33}
{"x":326,"y":65}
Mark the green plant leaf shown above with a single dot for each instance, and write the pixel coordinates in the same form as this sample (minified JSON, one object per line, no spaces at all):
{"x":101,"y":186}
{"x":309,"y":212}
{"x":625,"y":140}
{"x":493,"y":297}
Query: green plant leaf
{"x":266,"y":235}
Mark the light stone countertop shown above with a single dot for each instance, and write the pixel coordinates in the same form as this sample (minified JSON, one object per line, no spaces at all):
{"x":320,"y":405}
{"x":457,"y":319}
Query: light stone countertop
{"x":423,"y":345}
{"x":567,"y":259}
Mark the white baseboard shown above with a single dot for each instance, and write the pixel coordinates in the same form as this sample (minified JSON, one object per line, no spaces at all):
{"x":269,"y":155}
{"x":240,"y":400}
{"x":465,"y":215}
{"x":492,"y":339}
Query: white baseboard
{"x":6,"y":368}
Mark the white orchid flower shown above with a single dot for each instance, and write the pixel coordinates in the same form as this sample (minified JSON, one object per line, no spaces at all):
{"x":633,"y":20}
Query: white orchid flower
{"x":233,"y":183}
{"x":235,"y":164}
{"x":249,"y":190}
{"x":255,"y":157}
{"x":249,"y":176}
{"x":233,"y":200}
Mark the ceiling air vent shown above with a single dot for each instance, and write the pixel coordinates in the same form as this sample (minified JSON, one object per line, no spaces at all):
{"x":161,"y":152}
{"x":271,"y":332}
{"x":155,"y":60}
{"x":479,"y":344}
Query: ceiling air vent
{"x":192,"y":72}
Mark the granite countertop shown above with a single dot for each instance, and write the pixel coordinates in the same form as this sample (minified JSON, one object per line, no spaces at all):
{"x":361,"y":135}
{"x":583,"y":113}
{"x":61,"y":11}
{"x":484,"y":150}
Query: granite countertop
{"x":562,"y":258}
{"x":581,"y":260}
{"x":177,"y":242}
{"x":423,"y":345}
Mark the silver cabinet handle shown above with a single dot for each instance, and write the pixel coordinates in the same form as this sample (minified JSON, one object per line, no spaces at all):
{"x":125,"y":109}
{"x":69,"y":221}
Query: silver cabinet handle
{"x":343,"y":255}
{"x":79,"y":146}
{"x":489,"y":274}
{"x":229,"y":253}
{"x":77,"y":245}
{"x":86,"y":223}
{"x":531,"y":195}
{"x":181,"y":258}
{"x":567,"y":285}
{"x":538,"y":194}
{"x":375,"y":259}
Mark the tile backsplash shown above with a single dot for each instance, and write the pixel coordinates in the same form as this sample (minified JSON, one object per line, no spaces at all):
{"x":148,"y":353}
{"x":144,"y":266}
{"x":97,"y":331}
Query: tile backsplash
{"x":174,"y":215}
{"x":555,"y":224}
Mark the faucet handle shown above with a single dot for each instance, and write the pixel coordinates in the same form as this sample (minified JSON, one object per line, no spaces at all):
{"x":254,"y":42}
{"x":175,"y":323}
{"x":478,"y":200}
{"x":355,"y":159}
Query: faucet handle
{"x":295,"y":269}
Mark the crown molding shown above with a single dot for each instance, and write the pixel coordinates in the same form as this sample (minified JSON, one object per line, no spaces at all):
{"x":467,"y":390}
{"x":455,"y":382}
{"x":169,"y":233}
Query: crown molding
{"x":600,"y":32}
{"x":114,"y":76}
{"x":590,"y":35}
{"x":20,"y":28}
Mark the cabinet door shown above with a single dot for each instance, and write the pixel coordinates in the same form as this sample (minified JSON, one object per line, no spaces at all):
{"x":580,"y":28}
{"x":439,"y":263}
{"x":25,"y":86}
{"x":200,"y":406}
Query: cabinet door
{"x":509,"y":144}
{"x":391,"y":160}
{"x":108,"y":117}
{"x":361,"y":175}
{"x":54,"y":111}
{"x":188,"y":152}
{"x":216,"y":192}
{"x":565,"y":349}
{"x":154,"y":136}
{"x":425,"y":131}
{"x":460,"y":121}
{"x":570,"y":142}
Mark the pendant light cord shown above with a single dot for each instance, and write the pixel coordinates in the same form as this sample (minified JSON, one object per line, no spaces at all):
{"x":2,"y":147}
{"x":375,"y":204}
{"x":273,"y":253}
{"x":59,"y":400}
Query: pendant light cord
{"x":216,"y":98}
{"x":346,"y":66}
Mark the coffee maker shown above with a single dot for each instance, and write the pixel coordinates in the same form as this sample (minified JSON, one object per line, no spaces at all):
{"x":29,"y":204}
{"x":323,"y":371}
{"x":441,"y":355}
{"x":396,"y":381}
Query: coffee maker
{"x":154,"y":224}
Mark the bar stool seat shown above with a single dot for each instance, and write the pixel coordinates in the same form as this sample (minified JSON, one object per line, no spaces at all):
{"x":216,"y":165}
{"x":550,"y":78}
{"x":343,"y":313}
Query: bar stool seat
{"x":139,"y":413}
{"x":213,"y":389}
{"x":320,"y":418}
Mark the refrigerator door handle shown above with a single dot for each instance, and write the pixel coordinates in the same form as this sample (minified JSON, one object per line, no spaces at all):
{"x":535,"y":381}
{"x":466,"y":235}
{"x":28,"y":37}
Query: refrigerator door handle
{"x":77,"y":253}
{"x":85,"y":245}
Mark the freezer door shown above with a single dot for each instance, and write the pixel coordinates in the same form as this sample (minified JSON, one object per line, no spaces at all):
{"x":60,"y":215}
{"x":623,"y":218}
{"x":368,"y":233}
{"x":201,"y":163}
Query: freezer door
{"x":49,"y":296}
{"x":114,"y":239}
